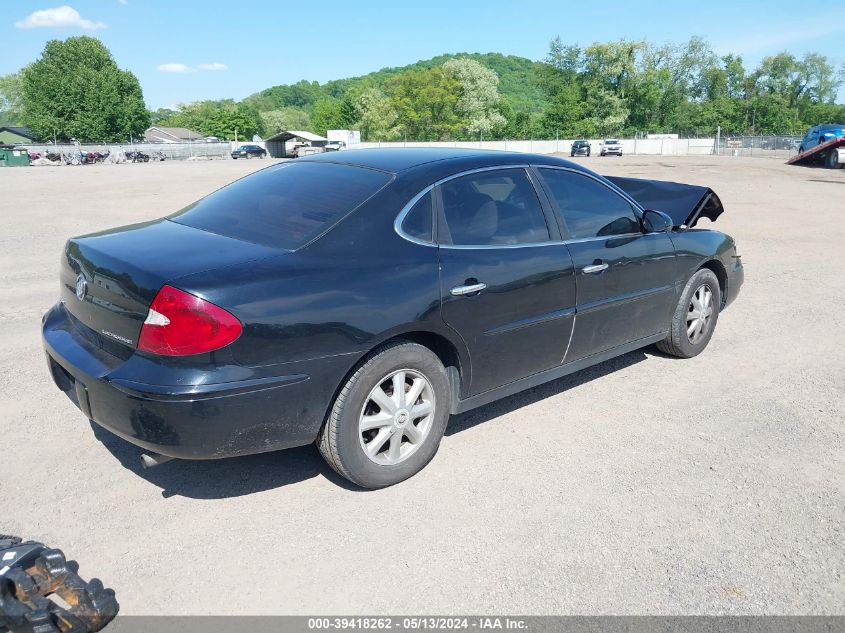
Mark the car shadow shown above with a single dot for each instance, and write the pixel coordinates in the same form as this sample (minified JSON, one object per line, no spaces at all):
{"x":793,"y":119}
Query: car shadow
{"x":238,"y":476}
{"x":223,"y":478}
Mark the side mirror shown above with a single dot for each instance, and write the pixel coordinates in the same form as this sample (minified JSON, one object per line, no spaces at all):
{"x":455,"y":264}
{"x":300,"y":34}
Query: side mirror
{"x":656,"y":222}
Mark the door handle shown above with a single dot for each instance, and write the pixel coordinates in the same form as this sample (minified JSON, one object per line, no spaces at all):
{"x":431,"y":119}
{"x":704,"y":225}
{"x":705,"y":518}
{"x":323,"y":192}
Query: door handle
{"x":459,"y":291}
{"x":595,"y":268}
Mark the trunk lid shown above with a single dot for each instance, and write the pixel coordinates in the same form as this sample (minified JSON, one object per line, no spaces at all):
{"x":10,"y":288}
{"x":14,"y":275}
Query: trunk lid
{"x":109,"y":279}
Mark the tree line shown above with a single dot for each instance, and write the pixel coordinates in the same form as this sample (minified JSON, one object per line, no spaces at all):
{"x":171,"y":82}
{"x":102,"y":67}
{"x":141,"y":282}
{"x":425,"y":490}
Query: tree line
{"x":76,"y":90}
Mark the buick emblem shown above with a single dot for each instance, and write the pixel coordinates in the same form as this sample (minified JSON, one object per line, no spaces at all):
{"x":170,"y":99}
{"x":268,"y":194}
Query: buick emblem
{"x":81,"y":287}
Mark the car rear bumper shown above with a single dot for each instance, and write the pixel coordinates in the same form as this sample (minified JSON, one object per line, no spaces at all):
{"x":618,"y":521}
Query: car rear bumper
{"x":188,"y":420}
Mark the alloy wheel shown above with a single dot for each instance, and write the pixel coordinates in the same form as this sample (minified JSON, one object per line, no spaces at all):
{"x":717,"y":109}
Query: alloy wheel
{"x":396,"y":417}
{"x":699,"y":314}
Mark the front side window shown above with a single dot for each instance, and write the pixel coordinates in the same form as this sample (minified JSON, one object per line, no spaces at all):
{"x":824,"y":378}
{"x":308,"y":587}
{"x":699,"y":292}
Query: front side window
{"x":589,"y":208}
{"x":497,"y":207}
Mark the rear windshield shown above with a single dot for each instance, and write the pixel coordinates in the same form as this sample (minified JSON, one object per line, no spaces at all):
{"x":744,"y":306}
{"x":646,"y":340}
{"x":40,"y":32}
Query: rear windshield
{"x":284,"y":206}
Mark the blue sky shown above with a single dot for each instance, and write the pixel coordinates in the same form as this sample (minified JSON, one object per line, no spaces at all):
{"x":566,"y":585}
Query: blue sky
{"x":186,"y":50}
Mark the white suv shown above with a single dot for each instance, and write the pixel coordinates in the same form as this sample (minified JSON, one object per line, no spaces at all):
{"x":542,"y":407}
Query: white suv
{"x":611,"y":146}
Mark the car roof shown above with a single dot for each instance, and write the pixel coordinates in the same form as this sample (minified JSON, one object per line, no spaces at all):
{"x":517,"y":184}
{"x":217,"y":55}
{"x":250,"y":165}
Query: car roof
{"x":395,"y":160}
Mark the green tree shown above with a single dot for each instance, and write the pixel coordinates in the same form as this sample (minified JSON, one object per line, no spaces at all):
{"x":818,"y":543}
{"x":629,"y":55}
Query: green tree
{"x":479,"y":96}
{"x":377,"y":117}
{"x":77,"y":91}
{"x":328,"y":115}
{"x":274,"y":121}
{"x":162,"y":114}
{"x":425,"y":102}
{"x":223,"y":119}
{"x":10,"y":99}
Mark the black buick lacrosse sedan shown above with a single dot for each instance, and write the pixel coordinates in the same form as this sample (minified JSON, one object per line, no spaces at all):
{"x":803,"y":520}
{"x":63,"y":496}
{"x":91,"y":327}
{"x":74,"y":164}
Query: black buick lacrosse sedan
{"x":358,"y":299}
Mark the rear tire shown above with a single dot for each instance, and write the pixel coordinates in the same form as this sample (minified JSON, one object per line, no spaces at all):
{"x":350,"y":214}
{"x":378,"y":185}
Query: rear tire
{"x":376,"y":436}
{"x":695,"y":316}
{"x":831,"y":161}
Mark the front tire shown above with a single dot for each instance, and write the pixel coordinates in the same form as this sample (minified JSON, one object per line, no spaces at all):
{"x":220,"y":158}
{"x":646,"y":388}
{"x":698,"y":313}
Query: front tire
{"x":695,"y":316}
{"x":389,"y":417}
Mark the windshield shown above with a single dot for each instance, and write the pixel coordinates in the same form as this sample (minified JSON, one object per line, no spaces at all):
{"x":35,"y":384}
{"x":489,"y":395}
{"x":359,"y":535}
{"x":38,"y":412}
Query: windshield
{"x":612,"y":142}
{"x":285,"y":206}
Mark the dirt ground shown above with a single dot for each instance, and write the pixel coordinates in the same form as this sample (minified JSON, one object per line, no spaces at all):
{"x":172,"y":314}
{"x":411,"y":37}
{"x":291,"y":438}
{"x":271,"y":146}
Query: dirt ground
{"x":645,"y":485}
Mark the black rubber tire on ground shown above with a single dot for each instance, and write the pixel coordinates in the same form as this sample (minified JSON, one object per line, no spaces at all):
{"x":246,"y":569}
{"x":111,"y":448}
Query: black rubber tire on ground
{"x":339,"y":441}
{"x":678,"y":343}
{"x":831,"y":161}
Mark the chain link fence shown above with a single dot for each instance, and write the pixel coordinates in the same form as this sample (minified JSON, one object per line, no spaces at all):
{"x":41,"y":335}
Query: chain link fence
{"x":781,"y":146}
{"x":169,"y":151}
{"x":784,"y":146}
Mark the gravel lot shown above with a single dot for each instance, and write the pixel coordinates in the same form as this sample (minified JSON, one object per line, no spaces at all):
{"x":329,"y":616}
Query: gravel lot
{"x":643,"y":485}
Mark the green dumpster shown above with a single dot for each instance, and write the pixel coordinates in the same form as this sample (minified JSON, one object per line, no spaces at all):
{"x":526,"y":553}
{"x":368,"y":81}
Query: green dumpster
{"x":13,"y":156}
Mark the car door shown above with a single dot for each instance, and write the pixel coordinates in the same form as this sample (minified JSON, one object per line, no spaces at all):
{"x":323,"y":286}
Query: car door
{"x":507,"y":287}
{"x":625,"y":278}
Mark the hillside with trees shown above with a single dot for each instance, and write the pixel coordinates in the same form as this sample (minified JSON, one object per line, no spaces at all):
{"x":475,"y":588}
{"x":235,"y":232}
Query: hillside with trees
{"x":607,"y":88}
{"x":611,"y":88}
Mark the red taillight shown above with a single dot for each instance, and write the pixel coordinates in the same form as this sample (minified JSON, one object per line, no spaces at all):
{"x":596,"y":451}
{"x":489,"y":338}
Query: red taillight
{"x":179,"y":324}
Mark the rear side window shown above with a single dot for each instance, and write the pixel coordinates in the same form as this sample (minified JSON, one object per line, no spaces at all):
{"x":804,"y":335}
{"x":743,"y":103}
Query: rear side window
{"x":491,"y":208}
{"x":284,"y":206}
{"x":418,"y":222}
{"x":589,"y":208}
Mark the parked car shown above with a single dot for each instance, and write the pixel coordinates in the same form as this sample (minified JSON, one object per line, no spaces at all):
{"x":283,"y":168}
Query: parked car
{"x":358,"y":299}
{"x":249,"y":151}
{"x":580,"y":148}
{"x":334,"y":146}
{"x":611,"y":147}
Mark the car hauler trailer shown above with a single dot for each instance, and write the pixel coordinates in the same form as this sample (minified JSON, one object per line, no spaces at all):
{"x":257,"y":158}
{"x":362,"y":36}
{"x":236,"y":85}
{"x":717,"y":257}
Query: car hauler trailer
{"x":831,"y":154}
